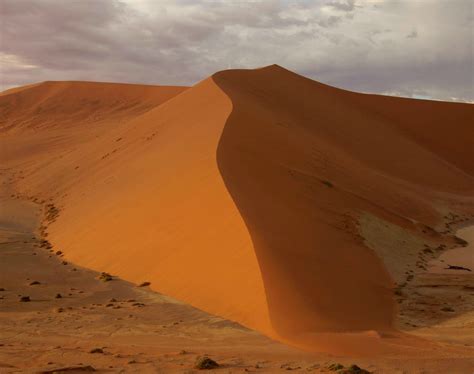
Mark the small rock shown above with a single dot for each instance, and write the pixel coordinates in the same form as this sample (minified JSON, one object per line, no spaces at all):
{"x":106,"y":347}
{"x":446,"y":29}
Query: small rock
{"x":25,"y":299}
{"x":58,"y":296}
{"x":455,"y":267}
{"x":335,"y":367}
{"x":353,"y":369}
{"x":96,"y":350}
{"x":105,"y":277}
{"x":144,"y":284}
{"x":447,"y":309}
{"x":59,"y":253}
{"x":34,"y":283}
{"x":327,"y":183}
{"x":205,"y":363}
{"x":66,"y":369}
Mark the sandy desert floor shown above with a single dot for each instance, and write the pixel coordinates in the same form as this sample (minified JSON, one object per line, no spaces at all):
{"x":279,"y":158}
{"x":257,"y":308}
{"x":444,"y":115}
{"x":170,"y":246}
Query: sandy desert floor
{"x":138,"y":330}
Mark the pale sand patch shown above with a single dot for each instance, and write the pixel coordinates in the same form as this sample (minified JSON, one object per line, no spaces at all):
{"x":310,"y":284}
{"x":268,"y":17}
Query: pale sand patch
{"x":398,"y":248}
{"x":437,"y":305}
{"x":463,"y":257}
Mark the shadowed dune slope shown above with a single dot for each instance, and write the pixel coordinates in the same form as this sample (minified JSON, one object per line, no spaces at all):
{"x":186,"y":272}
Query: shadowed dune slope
{"x":300,"y":159}
{"x":444,"y":128}
{"x":239,"y":195}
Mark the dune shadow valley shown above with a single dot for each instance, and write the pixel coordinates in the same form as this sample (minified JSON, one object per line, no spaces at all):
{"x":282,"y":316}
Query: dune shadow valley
{"x":257,"y":221}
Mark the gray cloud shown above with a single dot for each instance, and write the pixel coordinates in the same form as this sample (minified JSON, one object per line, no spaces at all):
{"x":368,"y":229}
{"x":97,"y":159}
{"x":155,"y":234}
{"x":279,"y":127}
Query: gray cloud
{"x":421,"y":49}
{"x":413,"y":34}
{"x":344,"y":5}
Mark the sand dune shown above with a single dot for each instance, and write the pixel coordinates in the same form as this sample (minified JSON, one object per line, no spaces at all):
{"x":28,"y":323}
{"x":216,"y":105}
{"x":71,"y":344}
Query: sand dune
{"x":50,"y":105}
{"x":182,"y":230}
{"x":257,"y":195}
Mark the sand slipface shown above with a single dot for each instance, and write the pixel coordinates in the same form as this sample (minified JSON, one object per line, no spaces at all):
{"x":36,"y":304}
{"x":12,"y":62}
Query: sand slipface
{"x":244,"y":195}
{"x":298,"y":159}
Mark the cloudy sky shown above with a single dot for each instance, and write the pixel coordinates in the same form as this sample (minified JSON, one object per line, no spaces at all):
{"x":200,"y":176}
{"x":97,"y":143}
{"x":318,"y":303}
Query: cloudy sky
{"x":414,"y":48}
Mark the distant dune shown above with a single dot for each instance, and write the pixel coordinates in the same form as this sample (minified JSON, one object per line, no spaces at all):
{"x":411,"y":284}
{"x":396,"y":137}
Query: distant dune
{"x":292,"y":207}
{"x":57,"y":104}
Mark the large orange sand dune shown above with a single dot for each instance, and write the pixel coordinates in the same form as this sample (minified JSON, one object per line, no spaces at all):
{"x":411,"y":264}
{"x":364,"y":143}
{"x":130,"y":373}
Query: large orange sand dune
{"x":244,"y":194}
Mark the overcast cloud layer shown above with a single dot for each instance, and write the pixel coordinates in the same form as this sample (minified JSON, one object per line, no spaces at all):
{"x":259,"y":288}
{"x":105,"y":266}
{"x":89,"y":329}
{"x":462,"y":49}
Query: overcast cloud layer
{"x":416,"y":48}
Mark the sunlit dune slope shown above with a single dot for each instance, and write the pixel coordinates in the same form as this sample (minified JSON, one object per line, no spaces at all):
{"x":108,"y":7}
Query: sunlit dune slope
{"x":145,"y":200}
{"x":240,"y":195}
{"x":50,"y":105}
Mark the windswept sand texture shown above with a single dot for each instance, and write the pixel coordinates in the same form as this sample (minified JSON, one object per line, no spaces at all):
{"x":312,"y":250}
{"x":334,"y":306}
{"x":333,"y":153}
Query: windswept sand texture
{"x":297,"y":209}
